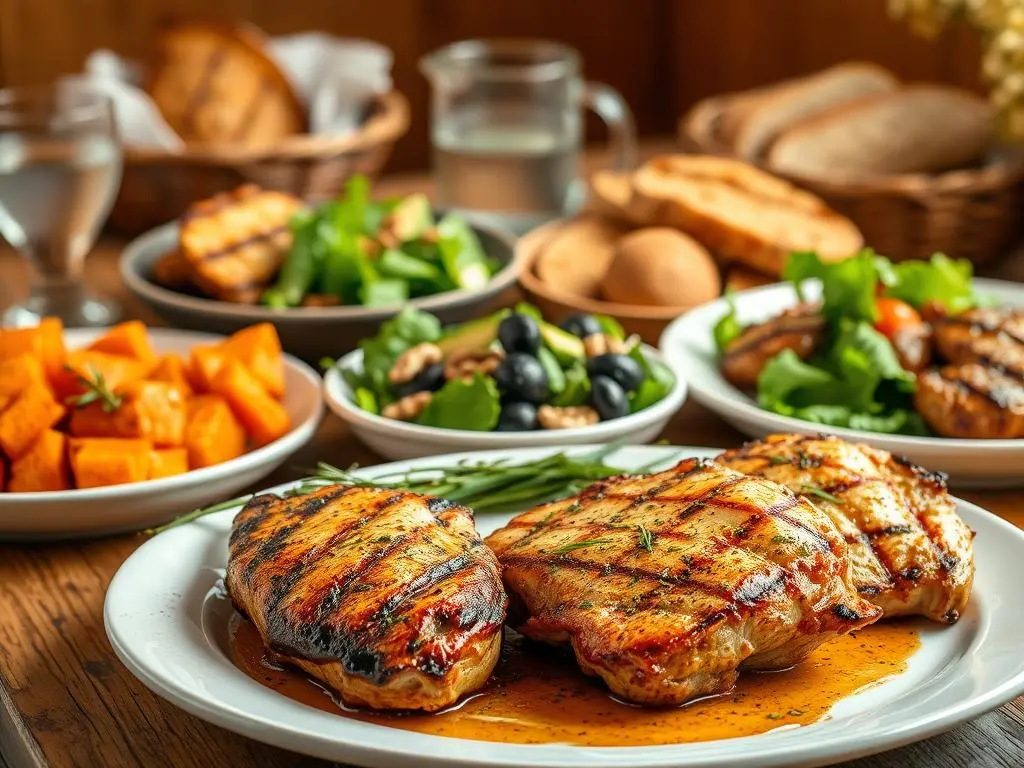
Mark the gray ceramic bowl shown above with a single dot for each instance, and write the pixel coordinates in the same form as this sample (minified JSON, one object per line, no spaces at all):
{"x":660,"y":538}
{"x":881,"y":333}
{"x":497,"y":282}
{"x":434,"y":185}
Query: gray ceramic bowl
{"x":306,"y":332}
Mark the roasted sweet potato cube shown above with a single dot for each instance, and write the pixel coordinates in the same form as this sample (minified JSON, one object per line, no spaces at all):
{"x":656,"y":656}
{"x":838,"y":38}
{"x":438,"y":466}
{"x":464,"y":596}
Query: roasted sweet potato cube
{"x":213,"y":433}
{"x":116,"y":371}
{"x":43,"y":467}
{"x":130,"y":339}
{"x":21,"y":372}
{"x":166,"y":462}
{"x":263,"y":417}
{"x":204,"y":363}
{"x":45,"y":342}
{"x":259,"y":349}
{"x":25,"y":418}
{"x":4,"y":472}
{"x":151,"y":410}
{"x":171,"y":368}
{"x":100,"y":461}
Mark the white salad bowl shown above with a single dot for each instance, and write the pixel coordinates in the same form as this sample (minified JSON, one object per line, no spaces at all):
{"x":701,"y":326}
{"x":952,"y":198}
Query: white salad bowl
{"x":689,"y":347}
{"x":395,"y":439}
{"x":134,"y":506}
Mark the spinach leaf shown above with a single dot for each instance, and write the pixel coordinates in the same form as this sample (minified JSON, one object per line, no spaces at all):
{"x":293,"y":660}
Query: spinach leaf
{"x":555,"y":374}
{"x":460,"y":404}
{"x":397,"y":264}
{"x":384,"y":292}
{"x":577,"y":387}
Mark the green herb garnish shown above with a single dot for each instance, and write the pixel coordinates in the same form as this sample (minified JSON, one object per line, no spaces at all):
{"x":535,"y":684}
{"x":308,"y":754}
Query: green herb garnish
{"x":646,"y":538}
{"x":813,"y":490}
{"x":96,"y":390}
{"x":572,"y":546}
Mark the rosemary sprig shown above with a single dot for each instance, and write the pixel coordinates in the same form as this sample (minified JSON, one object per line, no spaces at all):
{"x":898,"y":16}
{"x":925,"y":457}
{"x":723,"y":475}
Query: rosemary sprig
{"x":485,"y":486}
{"x":646,"y":539}
{"x":96,"y":390}
{"x":579,"y":545}
{"x":813,"y":490}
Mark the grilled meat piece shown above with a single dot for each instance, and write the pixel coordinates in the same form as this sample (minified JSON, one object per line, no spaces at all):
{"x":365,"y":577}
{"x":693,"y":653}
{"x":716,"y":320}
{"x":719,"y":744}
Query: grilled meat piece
{"x":665,"y":585}
{"x":987,"y":335}
{"x":910,"y":550}
{"x":388,"y":597}
{"x":235,"y":242}
{"x":913,"y":346}
{"x":972,"y":401}
{"x":801,"y":329}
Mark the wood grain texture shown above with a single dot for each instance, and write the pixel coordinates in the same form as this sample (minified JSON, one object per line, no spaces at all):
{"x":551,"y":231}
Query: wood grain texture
{"x":662,"y":55}
{"x":81,"y":707}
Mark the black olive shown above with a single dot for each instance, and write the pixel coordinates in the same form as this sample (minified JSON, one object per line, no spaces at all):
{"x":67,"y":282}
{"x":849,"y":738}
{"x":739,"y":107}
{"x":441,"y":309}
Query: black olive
{"x":623,"y":369}
{"x":519,"y":333}
{"x":517,"y":417}
{"x":608,"y":398}
{"x":430,"y":379}
{"x":581,"y":325}
{"x":521,"y":377}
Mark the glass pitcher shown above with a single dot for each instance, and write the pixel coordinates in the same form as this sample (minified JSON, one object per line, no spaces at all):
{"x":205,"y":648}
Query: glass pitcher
{"x":507,"y":128}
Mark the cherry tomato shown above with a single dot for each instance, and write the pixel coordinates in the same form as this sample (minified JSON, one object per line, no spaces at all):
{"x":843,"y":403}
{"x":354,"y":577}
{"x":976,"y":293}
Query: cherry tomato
{"x":893,"y":316}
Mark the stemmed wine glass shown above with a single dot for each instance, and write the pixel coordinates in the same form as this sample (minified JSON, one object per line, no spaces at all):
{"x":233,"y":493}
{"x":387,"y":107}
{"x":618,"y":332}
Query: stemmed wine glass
{"x":60,"y":167}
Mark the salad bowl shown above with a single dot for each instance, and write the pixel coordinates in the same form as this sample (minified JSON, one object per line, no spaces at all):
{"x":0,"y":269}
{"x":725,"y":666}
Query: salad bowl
{"x":307,"y":332}
{"x":689,"y":346}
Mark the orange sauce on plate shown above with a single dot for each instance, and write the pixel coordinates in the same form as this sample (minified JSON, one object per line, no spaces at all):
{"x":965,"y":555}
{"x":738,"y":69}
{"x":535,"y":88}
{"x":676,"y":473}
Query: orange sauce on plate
{"x":537,"y":695}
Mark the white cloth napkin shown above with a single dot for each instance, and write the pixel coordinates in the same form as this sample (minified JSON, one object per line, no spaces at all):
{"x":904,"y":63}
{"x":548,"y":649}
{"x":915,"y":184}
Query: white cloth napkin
{"x":335,"y":76}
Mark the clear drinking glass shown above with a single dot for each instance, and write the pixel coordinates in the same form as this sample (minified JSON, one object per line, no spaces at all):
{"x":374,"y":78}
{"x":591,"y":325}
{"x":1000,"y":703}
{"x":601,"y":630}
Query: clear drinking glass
{"x":60,"y":167}
{"x":507,"y":127}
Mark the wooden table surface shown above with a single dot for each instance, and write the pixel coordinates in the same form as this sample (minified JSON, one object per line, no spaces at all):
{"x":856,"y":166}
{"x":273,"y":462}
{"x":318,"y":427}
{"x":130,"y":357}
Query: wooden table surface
{"x":65,"y":700}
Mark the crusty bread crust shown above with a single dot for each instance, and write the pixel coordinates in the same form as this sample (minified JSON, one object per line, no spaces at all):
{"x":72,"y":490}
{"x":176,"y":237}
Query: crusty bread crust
{"x":743,"y":214}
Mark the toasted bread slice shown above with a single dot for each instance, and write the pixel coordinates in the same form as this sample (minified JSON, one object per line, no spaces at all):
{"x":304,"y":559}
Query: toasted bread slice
{"x":235,"y":242}
{"x":577,"y":256}
{"x":889,"y":134}
{"x":216,"y":84}
{"x":743,"y":214}
{"x":755,"y":121}
{"x":172,"y":271}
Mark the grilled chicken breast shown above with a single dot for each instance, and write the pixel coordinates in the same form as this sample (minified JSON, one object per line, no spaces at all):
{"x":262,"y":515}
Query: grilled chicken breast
{"x":911,"y":552}
{"x":388,"y":597}
{"x":665,"y":585}
{"x":984,"y":335}
{"x":800,"y":329}
{"x":972,"y":401}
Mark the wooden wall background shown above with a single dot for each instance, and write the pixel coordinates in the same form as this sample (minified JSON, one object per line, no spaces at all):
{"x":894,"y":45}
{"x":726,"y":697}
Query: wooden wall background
{"x":663,"y":55}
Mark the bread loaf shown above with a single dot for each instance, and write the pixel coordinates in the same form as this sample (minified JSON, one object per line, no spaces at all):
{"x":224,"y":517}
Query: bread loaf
{"x":743,"y":214}
{"x":759,"y":117}
{"x":610,"y":192}
{"x":574,"y":260}
{"x":919,"y":129}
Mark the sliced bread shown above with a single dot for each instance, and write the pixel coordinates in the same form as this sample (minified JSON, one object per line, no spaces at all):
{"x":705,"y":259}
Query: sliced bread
{"x":919,"y":129}
{"x":767,"y":113}
{"x":610,"y":192}
{"x":743,"y":214}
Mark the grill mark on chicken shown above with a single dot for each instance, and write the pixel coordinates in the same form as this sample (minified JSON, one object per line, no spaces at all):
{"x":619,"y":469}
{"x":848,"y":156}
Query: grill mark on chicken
{"x":1000,"y":395}
{"x":976,"y":324}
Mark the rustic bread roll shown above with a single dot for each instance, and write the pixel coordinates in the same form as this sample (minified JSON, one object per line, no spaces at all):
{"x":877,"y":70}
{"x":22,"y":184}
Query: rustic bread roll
{"x":755,"y":121}
{"x":739,"y":212}
{"x":661,"y":267}
{"x":919,"y":129}
{"x":610,"y":193}
{"x":576,"y":257}
{"x":215,"y":84}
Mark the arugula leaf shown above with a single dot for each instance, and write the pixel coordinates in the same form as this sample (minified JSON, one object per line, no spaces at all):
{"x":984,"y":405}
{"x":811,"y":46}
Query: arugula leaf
{"x":657,"y":383}
{"x":461,"y":253}
{"x":406,"y":329}
{"x":942,"y":279}
{"x":728,"y":326}
{"x":460,"y":404}
{"x":577,"y":387}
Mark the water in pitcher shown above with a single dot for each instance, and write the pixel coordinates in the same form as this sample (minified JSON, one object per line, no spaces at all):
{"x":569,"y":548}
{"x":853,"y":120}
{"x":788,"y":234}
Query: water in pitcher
{"x":517,"y":175}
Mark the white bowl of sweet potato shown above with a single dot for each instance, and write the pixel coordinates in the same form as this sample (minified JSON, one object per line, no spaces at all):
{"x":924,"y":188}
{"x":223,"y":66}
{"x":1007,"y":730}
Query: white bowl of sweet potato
{"x":124,"y":428}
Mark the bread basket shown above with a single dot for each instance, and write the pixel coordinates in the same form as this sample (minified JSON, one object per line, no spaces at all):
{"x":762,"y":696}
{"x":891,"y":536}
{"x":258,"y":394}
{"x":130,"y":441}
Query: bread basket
{"x":971,"y":213}
{"x":158,"y":186}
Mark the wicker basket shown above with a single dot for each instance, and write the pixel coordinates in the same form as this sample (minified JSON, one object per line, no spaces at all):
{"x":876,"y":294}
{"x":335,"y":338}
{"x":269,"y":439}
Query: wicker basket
{"x":158,"y":186}
{"x":972,"y":213}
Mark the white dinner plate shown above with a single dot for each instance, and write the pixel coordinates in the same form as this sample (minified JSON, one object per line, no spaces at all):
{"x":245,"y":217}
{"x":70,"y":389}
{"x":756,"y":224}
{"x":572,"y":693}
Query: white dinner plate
{"x":133,"y":506}
{"x":689,"y":347}
{"x":167,"y":619}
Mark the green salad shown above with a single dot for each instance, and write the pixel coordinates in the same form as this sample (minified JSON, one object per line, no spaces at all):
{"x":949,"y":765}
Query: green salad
{"x":358,"y":251}
{"x":510,"y":371}
{"x":855,"y":377}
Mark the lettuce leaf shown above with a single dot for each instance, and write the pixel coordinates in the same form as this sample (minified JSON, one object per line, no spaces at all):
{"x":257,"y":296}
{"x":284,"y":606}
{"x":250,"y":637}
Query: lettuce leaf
{"x":848,"y":286}
{"x":728,"y":326}
{"x":942,"y":279}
